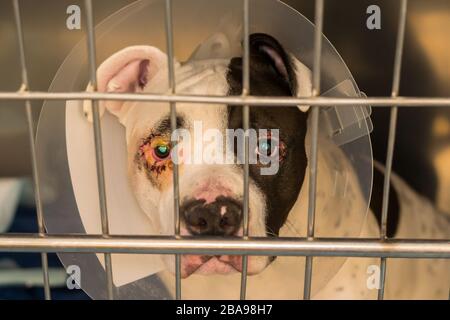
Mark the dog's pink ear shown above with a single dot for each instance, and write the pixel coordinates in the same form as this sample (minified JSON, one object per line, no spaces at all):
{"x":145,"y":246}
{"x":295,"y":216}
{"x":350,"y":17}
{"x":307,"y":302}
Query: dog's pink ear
{"x":128,"y":70}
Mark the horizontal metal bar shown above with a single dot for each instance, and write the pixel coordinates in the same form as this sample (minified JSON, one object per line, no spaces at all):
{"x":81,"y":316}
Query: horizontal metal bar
{"x":31,"y":277}
{"x":235,"y":246}
{"x":232,"y":100}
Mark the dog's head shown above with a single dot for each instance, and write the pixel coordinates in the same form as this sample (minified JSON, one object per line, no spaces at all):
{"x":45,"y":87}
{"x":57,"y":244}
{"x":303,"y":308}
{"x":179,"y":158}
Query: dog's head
{"x":210,"y":144}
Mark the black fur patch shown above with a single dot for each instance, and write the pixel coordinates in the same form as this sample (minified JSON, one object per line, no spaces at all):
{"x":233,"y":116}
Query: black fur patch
{"x":376,"y":203}
{"x":281,"y":190}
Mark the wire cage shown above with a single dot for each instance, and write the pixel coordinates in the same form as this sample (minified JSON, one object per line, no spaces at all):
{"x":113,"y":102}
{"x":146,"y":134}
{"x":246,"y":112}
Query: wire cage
{"x":309,"y":247}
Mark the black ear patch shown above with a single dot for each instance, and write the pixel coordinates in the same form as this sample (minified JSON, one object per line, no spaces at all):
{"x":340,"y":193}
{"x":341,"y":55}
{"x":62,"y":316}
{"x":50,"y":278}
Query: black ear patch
{"x":266,"y":49}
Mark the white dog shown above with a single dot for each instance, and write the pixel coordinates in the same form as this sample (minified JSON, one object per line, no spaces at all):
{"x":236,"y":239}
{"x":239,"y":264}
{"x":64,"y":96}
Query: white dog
{"x":211,"y":192}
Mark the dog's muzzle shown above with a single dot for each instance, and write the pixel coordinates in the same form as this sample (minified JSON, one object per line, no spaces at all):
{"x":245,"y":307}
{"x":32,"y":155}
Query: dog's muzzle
{"x":221,"y":217}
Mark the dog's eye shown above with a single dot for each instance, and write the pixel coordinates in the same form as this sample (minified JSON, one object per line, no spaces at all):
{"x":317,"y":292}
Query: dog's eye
{"x":161,"y":152}
{"x":270,"y":149}
{"x":267,"y":147}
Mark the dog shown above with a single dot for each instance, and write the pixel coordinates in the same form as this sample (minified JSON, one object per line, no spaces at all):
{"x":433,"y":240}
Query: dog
{"x":211,"y":192}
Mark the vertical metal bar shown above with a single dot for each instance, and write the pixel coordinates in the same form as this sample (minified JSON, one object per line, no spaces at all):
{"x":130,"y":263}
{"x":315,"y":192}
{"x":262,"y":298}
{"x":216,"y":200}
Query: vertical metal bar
{"x":98,"y":143}
{"x":246,"y":120}
{"x":314,"y":143}
{"x":391,"y":138}
{"x":173,"y":124}
{"x":246,"y":50}
{"x":318,"y":21}
{"x":36,"y":187}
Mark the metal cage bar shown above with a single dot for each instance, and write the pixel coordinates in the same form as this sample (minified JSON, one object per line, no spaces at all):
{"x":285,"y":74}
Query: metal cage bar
{"x":98,"y":143}
{"x":29,"y":113}
{"x":314,"y":144}
{"x":246,"y":121}
{"x":173,"y":125}
{"x":330,"y":247}
{"x":391,"y":138}
{"x":254,"y":101}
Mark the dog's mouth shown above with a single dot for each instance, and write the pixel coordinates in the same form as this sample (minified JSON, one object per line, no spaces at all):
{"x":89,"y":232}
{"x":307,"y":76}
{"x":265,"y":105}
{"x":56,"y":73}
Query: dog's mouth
{"x":207,"y":265}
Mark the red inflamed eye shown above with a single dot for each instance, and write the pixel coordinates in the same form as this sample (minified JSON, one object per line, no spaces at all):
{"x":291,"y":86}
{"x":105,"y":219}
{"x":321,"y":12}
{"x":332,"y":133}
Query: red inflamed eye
{"x":267,"y":147}
{"x":161,"y":152}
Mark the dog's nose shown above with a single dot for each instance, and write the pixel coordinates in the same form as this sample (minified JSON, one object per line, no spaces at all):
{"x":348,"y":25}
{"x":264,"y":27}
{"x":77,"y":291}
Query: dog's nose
{"x":221,"y":217}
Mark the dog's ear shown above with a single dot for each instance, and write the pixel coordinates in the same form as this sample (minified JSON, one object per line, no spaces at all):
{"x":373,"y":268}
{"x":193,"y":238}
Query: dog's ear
{"x":295,"y":73}
{"x":128,"y":70}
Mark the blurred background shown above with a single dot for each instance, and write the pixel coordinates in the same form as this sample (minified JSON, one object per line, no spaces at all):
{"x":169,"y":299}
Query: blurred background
{"x":422,"y":150}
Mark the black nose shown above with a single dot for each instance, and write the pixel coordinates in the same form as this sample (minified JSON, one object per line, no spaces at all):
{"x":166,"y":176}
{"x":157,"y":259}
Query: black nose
{"x":219,"y":218}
